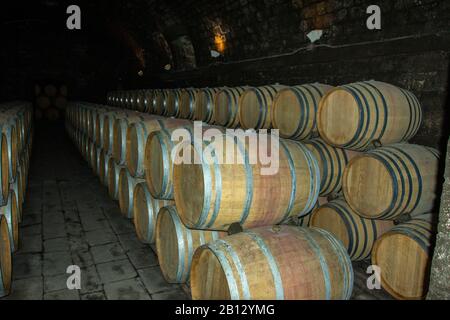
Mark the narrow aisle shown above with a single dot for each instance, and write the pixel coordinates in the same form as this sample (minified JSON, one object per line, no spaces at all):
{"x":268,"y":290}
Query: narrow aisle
{"x":69,"y":219}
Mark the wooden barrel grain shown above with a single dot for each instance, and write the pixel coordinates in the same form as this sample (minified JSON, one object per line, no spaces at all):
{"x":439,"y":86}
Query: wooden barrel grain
{"x":226,"y":106}
{"x":405,"y":275}
{"x":5,"y":258}
{"x":390,"y":181}
{"x":332,"y":162}
{"x":295,"y":108}
{"x":146,"y":209}
{"x":255,"y":106}
{"x":272,"y":263}
{"x":362,"y":115}
{"x":357,"y":234}
{"x":210,"y":195}
{"x":175,"y":244}
{"x":10,"y":133}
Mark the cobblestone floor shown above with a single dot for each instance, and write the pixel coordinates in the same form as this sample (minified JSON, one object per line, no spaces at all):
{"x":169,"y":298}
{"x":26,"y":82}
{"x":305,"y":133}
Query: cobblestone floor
{"x":70,"y":220}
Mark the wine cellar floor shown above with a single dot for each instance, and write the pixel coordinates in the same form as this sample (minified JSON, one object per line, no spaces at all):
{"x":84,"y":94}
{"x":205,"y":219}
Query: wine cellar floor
{"x":69,"y":219}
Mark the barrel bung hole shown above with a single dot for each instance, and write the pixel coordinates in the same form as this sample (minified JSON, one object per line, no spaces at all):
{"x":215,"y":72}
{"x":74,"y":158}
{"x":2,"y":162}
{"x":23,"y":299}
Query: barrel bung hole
{"x":338,"y":118}
{"x":368,"y":186}
{"x":208,"y":279}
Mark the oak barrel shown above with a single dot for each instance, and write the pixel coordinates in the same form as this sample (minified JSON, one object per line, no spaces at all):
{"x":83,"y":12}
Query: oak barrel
{"x":390,"y":181}
{"x":187,"y":103}
{"x":280,"y":262}
{"x":295,"y":108}
{"x":226,"y":106}
{"x":146,"y":209}
{"x":126,"y":188}
{"x":404,"y":256}
{"x":255,"y":106}
{"x":361,"y":115}
{"x":175,"y":244}
{"x":332,"y":162}
{"x":357,"y":234}
{"x":5,"y":258}
{"x":203,"y":109}
{"x":210,"y":195}
{"x":4,"y":167}
{"x":10,"y":211}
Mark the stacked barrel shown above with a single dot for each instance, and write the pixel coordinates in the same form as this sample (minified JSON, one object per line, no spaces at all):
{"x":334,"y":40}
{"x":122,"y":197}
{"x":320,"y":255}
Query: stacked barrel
{"x":16,"y":139}
{"x":51,"y":101}
{"x":346,"y":186}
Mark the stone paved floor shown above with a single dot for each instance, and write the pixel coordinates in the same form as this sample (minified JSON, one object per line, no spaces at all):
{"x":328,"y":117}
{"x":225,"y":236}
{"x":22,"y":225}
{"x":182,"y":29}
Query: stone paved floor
{"x":70,"y":220}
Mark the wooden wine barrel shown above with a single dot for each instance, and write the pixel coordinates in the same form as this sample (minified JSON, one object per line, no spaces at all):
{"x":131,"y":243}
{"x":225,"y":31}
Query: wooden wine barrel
{"x":4,"y":167}
{"x":281,"y":262}
{"x":158,"y":162}
{"x":148,"y":101}
{"x":126,"y":187}
{"x":295,"y":108}
{"x":102,"y":166}
{"x":332,"y":162}
{"x":187,"y":103}
{"x":361,"y":115}
{"x":121,"y":125}
{"x":357,"y":234}
{"x":405,"y":275}
{"x":9,"y":131}
{"x":172,"y":103}
{"x":390,"y":181}
{"x":140,"y":101}
{"x":16,"y":187}
{"x":175,"y":245}
{"x":137,"y":134}
{"x":9,"y":210}
{"x":146,"y":209}
{"x":204,"y":102}
{"x":210,"y":195}
{"x":5,"y":258}
{"x":158,"y":102}
{"x":255,"y":106}
{"x":226,"y":104}
{"x":113,"y":178}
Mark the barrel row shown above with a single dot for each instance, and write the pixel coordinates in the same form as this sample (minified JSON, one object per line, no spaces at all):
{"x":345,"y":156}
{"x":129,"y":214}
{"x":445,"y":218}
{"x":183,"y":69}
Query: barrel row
{"x":176,"y":241}
{"x":357,"y":116}
{"x":16,"y":141}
